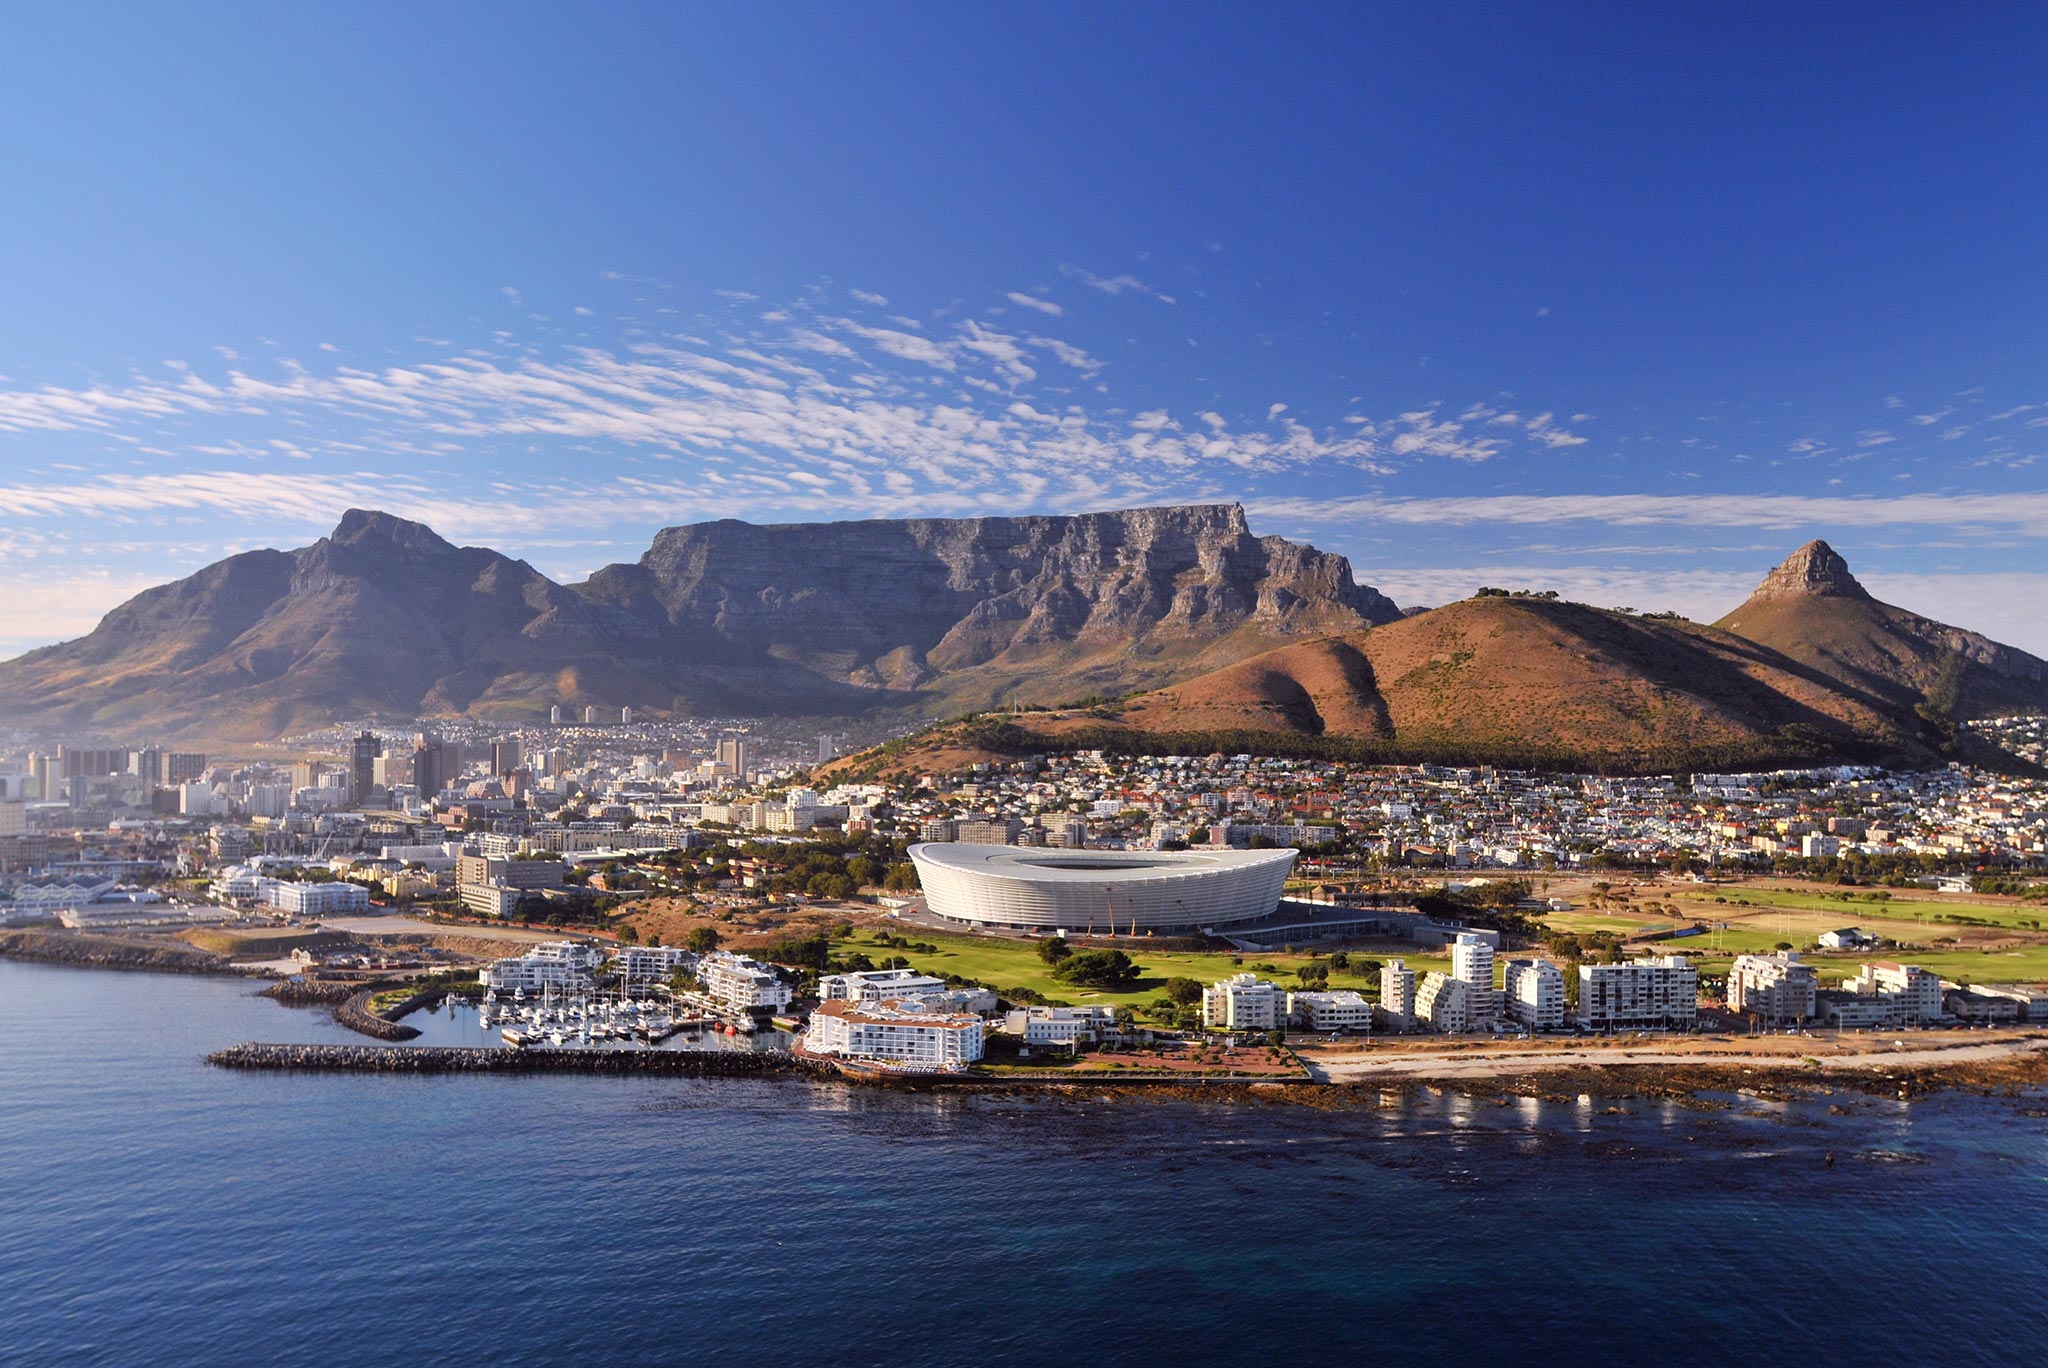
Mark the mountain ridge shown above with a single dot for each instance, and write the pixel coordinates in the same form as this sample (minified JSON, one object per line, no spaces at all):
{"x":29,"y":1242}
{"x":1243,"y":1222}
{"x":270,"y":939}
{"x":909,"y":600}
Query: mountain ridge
{"x":384,"y":616}
{"x":1813,"y":610}
{"x":1810,"y":670}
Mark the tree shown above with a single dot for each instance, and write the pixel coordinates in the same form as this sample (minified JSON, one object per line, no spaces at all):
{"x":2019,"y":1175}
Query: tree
{"x":1053,"y":949}
{"x":1314,"y":975}
{"x":1111,"y":969}
{"x":902,"y":878}
{"x":1184,"y":992}
{"x":703,"y":940}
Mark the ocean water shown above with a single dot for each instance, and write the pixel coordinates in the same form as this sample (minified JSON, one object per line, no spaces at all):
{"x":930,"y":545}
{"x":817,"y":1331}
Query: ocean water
{"x":154,"y":1211}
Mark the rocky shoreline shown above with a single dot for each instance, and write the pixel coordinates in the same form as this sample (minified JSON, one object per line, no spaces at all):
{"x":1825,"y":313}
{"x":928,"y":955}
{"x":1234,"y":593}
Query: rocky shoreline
{"x":111,"y":952}
{"x":1705,"y":1086}
{"x":420,"y":1059}
{"x":310,"y":992}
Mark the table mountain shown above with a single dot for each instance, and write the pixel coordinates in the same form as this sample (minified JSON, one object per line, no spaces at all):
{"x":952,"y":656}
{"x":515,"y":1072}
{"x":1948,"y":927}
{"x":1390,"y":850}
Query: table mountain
{"x":973,"y":611}
{"x":385,"y":617}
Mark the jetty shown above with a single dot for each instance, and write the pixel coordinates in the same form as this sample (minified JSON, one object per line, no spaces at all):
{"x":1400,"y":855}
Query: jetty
{"x":440,"y":1059}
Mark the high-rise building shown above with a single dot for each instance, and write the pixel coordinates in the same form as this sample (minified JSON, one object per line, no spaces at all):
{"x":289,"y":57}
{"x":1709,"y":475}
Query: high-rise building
{"x":1397,"y":991}
{"x":555,"y":716}
{"x":90,"y":763}
{"x":182,"y":767}
{"x":147,"y":764}
{"x":1242,"y":1002}
{"x":1915,"y":991}
{"x":505,"y":757}
{"x":435,"y":764}
{"x":1776,"y":987}
{"x":625,"y":717}
{"x":1472,"y":964}
{"x":1533,"y":993}
{"x":732,"y":753}
{"x":590,"y":716}
{"x":828,"y":747}
{"x":362,"y":766}
{"x":1444,"y":1003}
{"x":1660,"y":993}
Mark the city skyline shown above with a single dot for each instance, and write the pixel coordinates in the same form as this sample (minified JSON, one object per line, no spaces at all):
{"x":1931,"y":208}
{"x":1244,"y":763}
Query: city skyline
{"x":1627,"y":312}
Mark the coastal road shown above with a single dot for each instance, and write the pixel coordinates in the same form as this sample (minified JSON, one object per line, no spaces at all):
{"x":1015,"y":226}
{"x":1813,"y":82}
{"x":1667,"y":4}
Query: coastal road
{"x":1364,"y":1067}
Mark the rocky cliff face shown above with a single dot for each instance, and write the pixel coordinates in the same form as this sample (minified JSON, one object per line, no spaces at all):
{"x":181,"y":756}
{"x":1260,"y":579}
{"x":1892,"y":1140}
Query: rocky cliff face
{"x":898,"y":604}
{"x":383,"y":616}
{"x":1815,"y":570}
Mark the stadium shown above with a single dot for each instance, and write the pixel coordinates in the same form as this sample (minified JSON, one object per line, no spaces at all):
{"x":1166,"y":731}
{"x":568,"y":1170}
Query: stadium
{"x":1024,"y":888}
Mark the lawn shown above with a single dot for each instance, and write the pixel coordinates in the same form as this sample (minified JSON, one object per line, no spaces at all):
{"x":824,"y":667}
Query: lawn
{"x":1582,"y":923}
{"x":2027,"y":964}
{"x":1015,"y":964}
{"x":1838,"y":911}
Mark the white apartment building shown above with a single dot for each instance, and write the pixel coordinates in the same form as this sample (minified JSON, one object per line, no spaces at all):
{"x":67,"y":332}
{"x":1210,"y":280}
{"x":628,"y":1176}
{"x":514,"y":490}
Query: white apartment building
{"x":1472,"y":964}
{"x":1775,"y":987}
{"x":490,"y":900}
{"x":874,"y":985}
{"x":1913,"y":993}
{"x":651,"y":963}
{"x":315,"y":899}
{"x":560,"y":965}
{"x":1444,"y":1003}
{"x":1068,"y":1026}
{"x":1533,"y":994}
{"x":899,"y":1035}
{"x":741,"y":983}
{"x":1337,"y":1010}
{"x":1657,"y":993}
{"x":1242,"y":1002}
{"x":1397,"y":992}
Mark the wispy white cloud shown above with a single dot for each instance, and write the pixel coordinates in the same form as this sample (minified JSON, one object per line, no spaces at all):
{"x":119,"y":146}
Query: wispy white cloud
{"x":1044,"y":306}
{"x":1115,"y":285}
{"x":2023,"y":511}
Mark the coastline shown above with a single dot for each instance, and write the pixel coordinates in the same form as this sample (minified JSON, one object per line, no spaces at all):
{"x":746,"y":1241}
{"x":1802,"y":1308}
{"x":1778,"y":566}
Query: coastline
{"x":88,"y":951}
{"x":2002,"y":1068}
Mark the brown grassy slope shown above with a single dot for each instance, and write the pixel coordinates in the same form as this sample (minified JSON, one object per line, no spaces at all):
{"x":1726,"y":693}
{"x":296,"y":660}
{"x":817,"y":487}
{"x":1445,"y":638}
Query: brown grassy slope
{"x":1500,"y":677}
{"x":1534,"y":671}
{"x":1896,"y":655}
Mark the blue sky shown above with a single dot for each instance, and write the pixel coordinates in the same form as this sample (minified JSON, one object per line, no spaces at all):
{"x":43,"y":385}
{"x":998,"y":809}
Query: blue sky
{"x":1627,"y":301}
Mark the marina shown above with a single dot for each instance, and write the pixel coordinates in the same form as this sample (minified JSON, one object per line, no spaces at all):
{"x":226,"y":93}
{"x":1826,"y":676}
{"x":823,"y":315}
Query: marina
{"x":582,"y":1022}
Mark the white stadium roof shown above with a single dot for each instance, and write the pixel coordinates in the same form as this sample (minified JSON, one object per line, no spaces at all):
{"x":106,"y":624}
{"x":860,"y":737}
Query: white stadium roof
{"x":1034,"y":888}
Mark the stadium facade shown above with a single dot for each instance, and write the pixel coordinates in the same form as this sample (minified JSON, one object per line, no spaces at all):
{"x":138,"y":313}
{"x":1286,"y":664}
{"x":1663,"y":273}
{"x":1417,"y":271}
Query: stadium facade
{"x":1026,"y":888}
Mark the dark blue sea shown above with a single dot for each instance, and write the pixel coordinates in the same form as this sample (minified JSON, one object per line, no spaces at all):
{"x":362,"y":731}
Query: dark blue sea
{"x":156,"y":1213}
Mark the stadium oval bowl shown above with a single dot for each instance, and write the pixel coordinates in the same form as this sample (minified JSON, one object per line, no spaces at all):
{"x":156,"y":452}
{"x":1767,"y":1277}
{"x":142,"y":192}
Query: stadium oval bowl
{"x":1030,"y":888}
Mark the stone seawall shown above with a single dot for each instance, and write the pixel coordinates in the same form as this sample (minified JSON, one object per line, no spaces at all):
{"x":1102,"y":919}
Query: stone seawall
{"x":310,"y":992}
{"x":357,"y":1016}
{"x":111,"y":952}
{"x":465,"y":1059}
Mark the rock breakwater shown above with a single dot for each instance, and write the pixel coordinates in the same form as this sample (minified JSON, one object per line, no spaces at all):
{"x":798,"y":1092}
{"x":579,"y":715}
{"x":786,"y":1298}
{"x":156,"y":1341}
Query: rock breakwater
{"x":464,"y":1059}
{"x":357,"y":1016}
{"x":111,"y":952}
